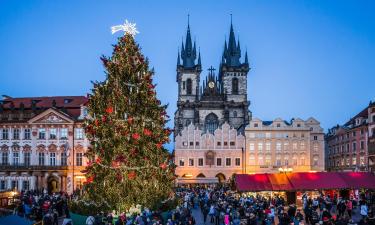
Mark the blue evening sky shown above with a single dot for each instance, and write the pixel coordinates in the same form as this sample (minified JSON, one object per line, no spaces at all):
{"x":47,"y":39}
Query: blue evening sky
{"x":308,"y":58}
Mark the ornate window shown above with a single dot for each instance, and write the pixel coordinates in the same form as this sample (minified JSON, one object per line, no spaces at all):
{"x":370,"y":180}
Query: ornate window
{"x":52,"y":159}
{"x":26,"y":158}
{"x":4,"y":158}
{"x":41,"y":158}
{"x":189,"y":86}
{"x":27,"y":134}
{"x":235,"y":86}
{"x":211,"y":123}
{"x":63,"y":159}
{"x":79,"y":159}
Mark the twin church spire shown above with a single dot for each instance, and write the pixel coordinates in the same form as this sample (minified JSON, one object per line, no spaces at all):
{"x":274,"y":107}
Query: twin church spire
{"x":230,"y":58}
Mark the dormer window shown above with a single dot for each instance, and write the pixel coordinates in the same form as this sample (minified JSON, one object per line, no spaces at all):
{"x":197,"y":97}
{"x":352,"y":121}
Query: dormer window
{"x":67,"y":100}
{"x":255,"y":125}
{"x":298,"y":125}
{"x":278,"y":125}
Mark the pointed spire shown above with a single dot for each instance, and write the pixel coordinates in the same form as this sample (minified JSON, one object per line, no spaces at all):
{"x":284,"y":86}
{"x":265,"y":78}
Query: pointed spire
{"x":199,"y":58}
{"x":188,"y":52}
{"x":178,"y":58}
{"x":246,"y":59}
{"x":233,"y":51}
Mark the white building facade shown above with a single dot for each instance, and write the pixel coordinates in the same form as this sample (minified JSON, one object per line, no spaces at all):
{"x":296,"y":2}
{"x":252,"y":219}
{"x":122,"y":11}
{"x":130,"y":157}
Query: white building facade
{"x":281,"y":146}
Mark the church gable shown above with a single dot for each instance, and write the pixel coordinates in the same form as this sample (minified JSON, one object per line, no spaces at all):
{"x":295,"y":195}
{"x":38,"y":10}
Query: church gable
{"x":51,"y":116}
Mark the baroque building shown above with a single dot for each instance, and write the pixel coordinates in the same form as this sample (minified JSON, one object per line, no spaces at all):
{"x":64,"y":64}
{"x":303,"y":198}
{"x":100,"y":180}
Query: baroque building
{"x":42,"y":143}
{"x":351,"y":147}
{"x":210,"y":119}
{"x":282,"y":146}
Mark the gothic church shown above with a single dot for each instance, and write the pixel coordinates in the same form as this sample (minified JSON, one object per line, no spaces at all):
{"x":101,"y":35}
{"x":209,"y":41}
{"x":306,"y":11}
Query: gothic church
{"x":222,"y":98}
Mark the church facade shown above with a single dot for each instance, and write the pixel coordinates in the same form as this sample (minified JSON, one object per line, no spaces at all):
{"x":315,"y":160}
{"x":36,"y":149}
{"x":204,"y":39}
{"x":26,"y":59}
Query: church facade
{"x":215,"y":112}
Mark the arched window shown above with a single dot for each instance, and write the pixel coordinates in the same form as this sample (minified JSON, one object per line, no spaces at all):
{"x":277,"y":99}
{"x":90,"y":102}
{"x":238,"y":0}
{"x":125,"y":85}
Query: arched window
{"x":188,"y":86}
{"x":211,"y":123}
{"x":235,"y":86}
{"x":235,"y":114}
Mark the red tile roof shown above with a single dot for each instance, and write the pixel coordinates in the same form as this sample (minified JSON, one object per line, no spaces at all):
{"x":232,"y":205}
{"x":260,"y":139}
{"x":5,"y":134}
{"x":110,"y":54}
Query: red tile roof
{"x":45,"y":102}
{"x":70,"y":105}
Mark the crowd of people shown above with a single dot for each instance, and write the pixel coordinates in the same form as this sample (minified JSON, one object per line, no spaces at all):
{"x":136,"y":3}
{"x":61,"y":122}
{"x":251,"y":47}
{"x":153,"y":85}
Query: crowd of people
{"x":38,"y":205}
{"x":213,"y":206}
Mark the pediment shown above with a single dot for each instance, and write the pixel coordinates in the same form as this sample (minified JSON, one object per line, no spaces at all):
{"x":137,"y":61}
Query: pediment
{"x":51,"y":116}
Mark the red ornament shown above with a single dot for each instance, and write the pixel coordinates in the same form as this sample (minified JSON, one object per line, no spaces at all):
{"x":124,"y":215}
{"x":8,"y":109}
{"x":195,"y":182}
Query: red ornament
{"x":136,"y":136}
{"x":119,"y":177}
{"x":130,"y":120}
{"x":104,"y":118}
{"x":109,"y":110}
{"x":163,"y":166}
{"x":132,"y":175}
{"x":89,"y":163}
{"x":147,"y":132}
{"x":96,"y":122}
{"x":90,"y":179}
{"x":158,"y":145}
{"x":98,"y":160}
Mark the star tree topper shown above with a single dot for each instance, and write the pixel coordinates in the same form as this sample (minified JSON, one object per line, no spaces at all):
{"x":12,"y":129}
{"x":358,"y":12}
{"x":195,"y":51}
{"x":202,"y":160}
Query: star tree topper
{"x":126,"y":27}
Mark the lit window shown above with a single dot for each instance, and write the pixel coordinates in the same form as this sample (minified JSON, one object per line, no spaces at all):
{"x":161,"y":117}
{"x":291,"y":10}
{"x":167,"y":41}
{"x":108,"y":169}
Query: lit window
{"x":79,"y":133}
{"x":63,"y":133}
{"x":362,"y":160}
{"x":252,"y":160}
{"x":52,"y":133}
{"x":268,"y":146}
{"x":260,"y":146}
{"x":260,"y":160}
{"x":268,"y":135}
{"x":251,"y":147}
{"x":302,"y":145}
{"x":294,"y":146}
{"x":79,"y":159}
{"x":42,"y":133}
{"x":278,"y":146}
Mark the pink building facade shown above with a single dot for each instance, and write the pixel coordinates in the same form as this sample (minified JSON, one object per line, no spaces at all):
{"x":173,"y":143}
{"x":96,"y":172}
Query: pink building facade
{"x":209,"y":158}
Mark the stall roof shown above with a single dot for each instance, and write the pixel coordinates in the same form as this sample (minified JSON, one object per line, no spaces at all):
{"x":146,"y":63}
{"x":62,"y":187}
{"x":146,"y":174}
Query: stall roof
{"x":358,"y":180}
{"x":304,"y":181}
{"x":280,"y":182}
{"x":255,"y":182}
{"x":316,"y":180}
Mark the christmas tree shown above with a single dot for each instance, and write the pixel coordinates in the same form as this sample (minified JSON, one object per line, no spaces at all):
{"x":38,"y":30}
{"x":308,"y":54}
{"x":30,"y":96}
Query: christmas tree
{"x":126,"y":128}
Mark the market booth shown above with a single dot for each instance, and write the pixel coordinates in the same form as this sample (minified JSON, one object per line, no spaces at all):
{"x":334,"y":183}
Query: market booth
{"x":293,"y":185}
